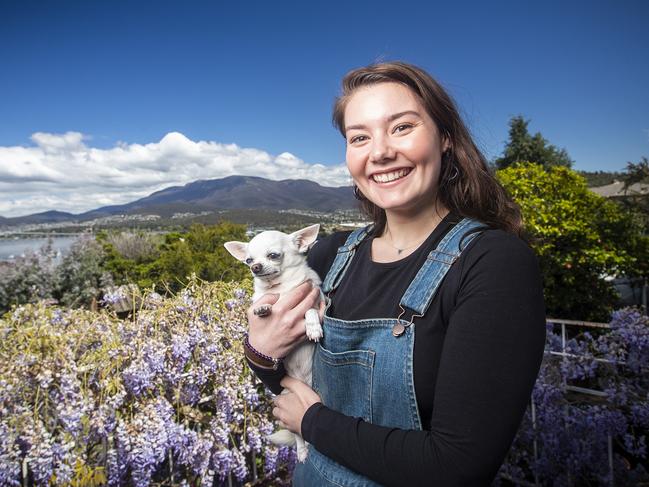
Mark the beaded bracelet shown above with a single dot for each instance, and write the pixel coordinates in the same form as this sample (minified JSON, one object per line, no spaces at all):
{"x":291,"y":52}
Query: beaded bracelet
{"x":259,"y":358}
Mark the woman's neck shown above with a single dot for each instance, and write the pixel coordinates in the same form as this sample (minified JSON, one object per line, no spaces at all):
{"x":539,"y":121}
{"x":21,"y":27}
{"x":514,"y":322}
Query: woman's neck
{"x":404,"y":233}
{"x":403,"y":229}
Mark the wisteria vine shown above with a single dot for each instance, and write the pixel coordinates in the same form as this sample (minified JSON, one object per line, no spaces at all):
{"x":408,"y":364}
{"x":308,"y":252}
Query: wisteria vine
{"x":160,"y":397}
{"x":163,"y":397}
{"x":571,"y":438}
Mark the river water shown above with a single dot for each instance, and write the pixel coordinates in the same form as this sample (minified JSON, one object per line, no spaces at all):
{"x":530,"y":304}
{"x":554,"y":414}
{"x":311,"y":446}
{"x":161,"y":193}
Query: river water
{"x":11,"y":249}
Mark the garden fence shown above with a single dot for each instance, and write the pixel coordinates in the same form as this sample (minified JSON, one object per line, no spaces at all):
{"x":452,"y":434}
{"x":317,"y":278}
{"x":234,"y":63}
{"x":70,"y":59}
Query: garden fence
{"x":564,"y":324}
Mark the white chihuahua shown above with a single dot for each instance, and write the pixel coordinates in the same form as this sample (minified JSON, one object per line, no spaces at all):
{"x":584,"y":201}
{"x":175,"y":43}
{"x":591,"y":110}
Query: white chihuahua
{"x":278,"y":263}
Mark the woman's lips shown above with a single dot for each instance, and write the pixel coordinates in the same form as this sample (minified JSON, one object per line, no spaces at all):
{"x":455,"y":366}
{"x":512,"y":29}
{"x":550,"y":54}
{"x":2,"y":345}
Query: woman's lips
{"x":390,"y":176}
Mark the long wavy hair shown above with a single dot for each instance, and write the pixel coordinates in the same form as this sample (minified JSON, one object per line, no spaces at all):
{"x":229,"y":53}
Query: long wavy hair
{"x":466,"y":185}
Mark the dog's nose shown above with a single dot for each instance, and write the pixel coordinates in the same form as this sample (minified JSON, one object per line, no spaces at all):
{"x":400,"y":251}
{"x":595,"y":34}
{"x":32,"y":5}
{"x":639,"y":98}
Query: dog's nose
{"x":255,"y":268}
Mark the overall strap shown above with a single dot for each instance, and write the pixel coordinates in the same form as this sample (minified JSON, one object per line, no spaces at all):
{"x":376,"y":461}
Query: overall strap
{"x":422,"y":289}
{"x":343,"y":258}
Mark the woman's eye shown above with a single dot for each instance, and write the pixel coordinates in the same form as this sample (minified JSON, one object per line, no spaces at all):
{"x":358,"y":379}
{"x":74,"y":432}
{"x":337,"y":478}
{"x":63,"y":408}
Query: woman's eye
{"x":273,"y":256}
{"x":249,"y":260}
{"x":357,"y":138}
{"x":401,"y":127}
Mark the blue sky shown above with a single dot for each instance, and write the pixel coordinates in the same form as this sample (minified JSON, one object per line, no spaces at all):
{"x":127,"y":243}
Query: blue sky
{"x":261,"y":76}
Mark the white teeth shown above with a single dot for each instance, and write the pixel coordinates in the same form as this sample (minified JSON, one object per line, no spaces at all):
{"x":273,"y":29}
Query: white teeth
{"x":386,"y":177}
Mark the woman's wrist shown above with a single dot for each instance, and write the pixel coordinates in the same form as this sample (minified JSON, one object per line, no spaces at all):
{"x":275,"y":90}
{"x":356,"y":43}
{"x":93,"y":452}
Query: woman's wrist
{"x":260,"y":359}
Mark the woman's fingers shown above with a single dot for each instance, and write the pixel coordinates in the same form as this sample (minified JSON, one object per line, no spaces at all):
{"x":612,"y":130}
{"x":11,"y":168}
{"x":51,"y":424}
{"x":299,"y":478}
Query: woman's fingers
{"x":294,"y":386}
{"x":277,"y":332}
{"x":290,"y":300}
{"x":310,"y":301}
{"x":290,"y":383}
{"x":268,"y":298}
{"x":293,"y":402}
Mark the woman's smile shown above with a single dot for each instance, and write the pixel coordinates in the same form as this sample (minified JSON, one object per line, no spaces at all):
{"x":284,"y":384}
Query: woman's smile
{"x":390,"y":176}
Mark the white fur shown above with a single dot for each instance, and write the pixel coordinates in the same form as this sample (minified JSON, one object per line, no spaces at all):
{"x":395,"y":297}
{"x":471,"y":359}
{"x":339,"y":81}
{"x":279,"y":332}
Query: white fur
{"x":279,"y":275}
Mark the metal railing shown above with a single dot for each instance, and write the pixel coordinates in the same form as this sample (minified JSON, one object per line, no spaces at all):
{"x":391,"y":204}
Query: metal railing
{"x":567,"y":387}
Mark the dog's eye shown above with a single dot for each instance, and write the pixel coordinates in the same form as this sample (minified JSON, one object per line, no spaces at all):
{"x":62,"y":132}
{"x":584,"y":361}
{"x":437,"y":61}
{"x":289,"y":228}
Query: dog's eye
{"x":273,"y":255}
{"x":249,"y":260}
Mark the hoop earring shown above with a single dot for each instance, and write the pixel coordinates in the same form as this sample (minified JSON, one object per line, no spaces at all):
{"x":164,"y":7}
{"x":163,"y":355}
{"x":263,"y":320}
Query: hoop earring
{"x":454,"y":175}
{"x":357,"y":193}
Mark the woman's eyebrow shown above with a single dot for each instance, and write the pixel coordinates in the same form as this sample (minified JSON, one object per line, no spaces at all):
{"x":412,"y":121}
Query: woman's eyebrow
{"x":389,"y":119}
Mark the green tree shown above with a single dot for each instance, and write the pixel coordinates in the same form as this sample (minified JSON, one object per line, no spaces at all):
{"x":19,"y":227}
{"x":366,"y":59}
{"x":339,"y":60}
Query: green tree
{"x":636,"y":201}
{"x":636,"y":173}
{"x":198,"y":251}
{"x":522,"y":146}
{"x":582,"y":240}
{"x":174,"y":266}
{"x":214,"y":262}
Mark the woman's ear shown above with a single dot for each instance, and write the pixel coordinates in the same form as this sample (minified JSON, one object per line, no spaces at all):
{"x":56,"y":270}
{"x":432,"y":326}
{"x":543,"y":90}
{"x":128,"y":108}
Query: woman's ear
{"x":446,"y":144}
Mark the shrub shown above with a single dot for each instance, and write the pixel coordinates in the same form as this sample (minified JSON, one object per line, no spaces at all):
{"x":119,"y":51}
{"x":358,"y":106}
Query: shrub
{"x":136,"y":246}
{"x":579,"y":237}
{"x":165,"y":397}
{"x":80,"y":277}
{"x":74,"y":280}
{"x":199,"y":251}
{"x":29,"y":278}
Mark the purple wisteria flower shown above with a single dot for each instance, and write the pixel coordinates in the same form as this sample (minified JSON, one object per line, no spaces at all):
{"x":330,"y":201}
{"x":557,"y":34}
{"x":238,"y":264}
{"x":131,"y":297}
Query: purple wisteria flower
{"x":39,"y":444}
{"x":222,"y":461}
{"x":9,"y":457}
{"x":159,"y":396}
{"x":138,"y":377}
{"x":181,"y":349}
{"x":565,"y":439}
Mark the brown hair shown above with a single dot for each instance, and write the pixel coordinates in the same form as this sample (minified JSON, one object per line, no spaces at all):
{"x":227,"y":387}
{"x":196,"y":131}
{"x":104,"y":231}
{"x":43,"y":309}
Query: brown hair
{"x":466,"y":186}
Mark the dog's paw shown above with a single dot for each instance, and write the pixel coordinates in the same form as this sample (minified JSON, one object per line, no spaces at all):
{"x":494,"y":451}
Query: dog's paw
{"x":313,"y":326}
{"x":262,"y":310}
{"x":315,"y":333}
{"x":302,"y":453}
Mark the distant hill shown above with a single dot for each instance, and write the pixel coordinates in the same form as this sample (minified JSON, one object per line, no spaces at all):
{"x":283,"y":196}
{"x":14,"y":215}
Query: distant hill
{"x":51,"y":216}
{"x":232,"y":192}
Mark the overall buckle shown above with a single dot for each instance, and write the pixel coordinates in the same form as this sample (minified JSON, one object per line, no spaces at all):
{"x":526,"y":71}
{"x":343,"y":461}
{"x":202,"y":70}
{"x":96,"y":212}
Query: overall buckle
{"x":398,"y":329}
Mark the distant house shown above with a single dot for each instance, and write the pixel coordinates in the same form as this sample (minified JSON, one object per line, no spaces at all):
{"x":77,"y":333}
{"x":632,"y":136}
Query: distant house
{"x":633,"y":292}
{"x":616,"y":190}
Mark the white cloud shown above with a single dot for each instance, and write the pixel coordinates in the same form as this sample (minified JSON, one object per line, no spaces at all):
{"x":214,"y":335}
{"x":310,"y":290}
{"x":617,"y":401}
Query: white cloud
{"x":62,"y":172}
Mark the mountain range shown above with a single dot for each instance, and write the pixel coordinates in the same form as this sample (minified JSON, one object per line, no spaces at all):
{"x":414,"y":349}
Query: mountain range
{"x":232,"y":192}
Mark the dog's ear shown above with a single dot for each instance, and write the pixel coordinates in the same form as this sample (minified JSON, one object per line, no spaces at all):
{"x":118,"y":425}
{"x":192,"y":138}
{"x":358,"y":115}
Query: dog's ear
{"x":305,"y":238}
{"x":237,"y":249}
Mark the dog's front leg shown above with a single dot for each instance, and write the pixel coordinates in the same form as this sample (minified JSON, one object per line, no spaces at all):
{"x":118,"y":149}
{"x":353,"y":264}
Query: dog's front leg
{"x":302,"y":448}
{"x":313,"y":326}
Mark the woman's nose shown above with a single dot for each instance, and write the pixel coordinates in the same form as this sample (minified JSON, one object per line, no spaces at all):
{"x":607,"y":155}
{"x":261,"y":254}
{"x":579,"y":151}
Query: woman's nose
{"x":381,"y":149}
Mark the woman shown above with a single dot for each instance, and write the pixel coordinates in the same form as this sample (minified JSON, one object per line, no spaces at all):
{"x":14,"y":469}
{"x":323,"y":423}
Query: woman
{"x":434,"y":327}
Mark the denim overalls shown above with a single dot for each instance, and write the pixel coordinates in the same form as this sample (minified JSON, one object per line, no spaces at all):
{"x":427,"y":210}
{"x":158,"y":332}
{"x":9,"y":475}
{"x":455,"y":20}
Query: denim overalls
{"x":363,"y":368}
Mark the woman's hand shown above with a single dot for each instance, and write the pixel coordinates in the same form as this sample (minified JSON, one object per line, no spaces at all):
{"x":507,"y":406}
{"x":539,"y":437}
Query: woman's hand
{"x":293,"y":402}
{"x":277,"y":334}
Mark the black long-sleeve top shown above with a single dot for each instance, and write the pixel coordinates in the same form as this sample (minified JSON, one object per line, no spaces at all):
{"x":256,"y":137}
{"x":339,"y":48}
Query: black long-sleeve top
{"x":477,"y":352}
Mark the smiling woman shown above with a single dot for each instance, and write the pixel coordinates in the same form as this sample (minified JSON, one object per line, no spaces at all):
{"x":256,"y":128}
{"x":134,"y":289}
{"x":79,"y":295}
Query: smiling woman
{"x":434,"y":327}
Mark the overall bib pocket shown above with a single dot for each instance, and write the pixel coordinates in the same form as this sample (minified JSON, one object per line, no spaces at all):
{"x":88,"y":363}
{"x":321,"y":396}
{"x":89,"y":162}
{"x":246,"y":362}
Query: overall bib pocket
{"x":345,"y":380}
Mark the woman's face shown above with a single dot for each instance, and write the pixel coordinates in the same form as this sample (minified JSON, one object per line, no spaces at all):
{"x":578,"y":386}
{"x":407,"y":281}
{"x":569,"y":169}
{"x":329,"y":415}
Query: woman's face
{"x":394,"y":148}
